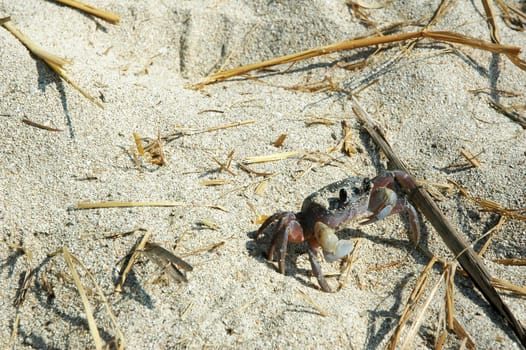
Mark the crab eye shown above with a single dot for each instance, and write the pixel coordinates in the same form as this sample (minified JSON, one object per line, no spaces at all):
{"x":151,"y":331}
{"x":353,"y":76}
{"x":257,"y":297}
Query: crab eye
{"x":343,"y":195}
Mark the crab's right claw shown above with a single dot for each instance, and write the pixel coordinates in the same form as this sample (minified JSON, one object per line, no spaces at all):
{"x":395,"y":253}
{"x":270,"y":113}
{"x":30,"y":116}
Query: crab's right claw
{"x":333,"y":248}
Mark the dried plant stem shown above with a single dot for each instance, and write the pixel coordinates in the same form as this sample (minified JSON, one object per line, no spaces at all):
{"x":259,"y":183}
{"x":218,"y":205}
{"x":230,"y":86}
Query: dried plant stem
{"x":103,"y":14}
{"x":491,"y":234}
{"x":511,"y":51}
{"x":490,"y":17}
{"x":311,"y":301}
{"x":411,"y":333}
{"x":489,"y":205}
{"x":34,"y":48}
{"x":40,"y":126}
{"x":462,"y":334}
{"x":112,"y":204}
{"x":136,"y":251}
{"x":87,"y":306}
{"x":14,"y":333}
{"x":417,"y":293}
{"x":56,"y":63}
{"x":450,"y":295}
{"x":64,"y":75}
{"x":507,"y":286}
{"x":270,"y":157}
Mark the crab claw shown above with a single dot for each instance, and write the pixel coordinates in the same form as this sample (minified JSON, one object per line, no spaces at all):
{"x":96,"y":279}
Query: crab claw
{"x":382,"y":203}
{"x":333,"y":248}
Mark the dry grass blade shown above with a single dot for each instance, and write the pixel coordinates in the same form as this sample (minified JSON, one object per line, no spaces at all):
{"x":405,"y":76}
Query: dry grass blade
{"x":490,"y":16}
{"x":87,"y":306}
{"x":138,"y":144}
{"x":450,"y":295}
{"x":467,"y":258}
{"x":470,"y":157}
{"x":119,"y":344}
{"x":251,"y":171}
{"x":491,"y":206}
{"x":103,"y":14}
{"x":261,"y":187}
{"x":225,"y":167}
{"x":279,"y":141}
{"x":510,"y":287}
{"x":312,"y":303}
{"x":214,"y":182}
{"x":23,"y":288}
{"x":383,"y":267}
{"x":411,"y":333}
{"x":208,"y":224}
{"x":510,"y":262}
{"x":510,"y":113}
{"x":462,"y":334}
{"x":204,"y":249}
{"x":133,"y":257}
{"x":34,"y":48}
{"x":491,"y":233}
{"x":270,"y":157}
{"x":511,"y":51}
{"x":14,"y":333}
{"x":40,"y":126}
{"x":513,"y":17}
{"x":54,"y":62}
{"x":445,"y":5}
{"x":63,"y":74}
{"x":417,"y":293}
{"x":231,"y":125}
{"x":348,"y":265}
{"x":116,"y":204}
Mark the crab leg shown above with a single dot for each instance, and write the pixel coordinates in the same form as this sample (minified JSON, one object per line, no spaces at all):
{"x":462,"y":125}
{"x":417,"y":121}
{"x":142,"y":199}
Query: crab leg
{"x":316,"y":269}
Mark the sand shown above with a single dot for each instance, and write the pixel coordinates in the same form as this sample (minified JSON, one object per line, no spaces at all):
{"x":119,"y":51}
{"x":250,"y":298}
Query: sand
{"x":426,"y":101}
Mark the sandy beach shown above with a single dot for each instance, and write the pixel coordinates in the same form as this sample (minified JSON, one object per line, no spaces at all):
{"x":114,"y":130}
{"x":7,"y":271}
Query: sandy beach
{"x":432,"y":99}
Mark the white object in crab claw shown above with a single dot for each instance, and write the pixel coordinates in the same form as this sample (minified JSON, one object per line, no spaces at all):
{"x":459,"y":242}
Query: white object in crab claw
{"x":333,"y":248}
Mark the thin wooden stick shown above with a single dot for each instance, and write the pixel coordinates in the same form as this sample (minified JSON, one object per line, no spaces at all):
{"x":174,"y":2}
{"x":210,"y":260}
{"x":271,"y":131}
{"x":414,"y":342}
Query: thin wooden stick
{"x":466,"y":256}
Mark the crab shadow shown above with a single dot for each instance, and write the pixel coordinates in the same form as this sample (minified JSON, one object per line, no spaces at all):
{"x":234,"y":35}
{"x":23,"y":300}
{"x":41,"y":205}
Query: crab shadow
{"x":258,"y":248}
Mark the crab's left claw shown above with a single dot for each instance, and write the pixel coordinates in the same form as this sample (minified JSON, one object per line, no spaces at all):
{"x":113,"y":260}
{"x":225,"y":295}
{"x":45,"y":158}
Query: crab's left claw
{"x":384,"y":201}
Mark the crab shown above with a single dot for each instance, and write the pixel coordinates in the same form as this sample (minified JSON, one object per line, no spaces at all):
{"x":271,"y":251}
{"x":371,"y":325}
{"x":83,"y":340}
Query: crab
{"x":325,"y":212}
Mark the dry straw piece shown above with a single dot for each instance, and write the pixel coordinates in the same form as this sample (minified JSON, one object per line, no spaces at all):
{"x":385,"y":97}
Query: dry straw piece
{"x":135,"y":254}
{"x":70,"y":259}
{"x":512,"y":52}
{"x":103,"y":14}
{"x":312,"y":303}
{"x":116,"y":204}
{"x":270,"y":157}
{"x":55,"y":62}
